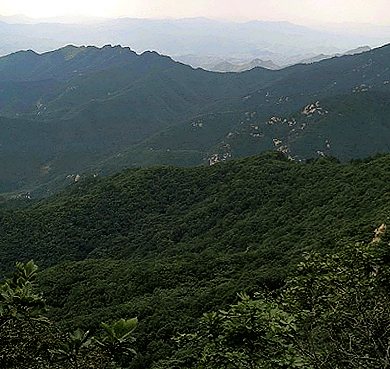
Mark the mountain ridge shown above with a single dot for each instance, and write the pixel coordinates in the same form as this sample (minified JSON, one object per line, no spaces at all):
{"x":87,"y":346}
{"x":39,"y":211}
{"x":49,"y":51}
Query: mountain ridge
{"x":149,"y":95}
{"x":179,"y":37}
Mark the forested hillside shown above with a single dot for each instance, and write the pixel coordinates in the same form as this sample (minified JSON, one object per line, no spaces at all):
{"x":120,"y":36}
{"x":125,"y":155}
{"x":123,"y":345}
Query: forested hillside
{"x":167,"y":244}
{"x":65,"y":110}
{"x":88,"y":110}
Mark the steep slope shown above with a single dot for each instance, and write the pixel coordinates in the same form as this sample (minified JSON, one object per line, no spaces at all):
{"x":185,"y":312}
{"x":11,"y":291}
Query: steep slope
{"x":342,"y":101}
{"x":114,"y":108}
{"x":168,"y":244}
{"x":347,"y":126}
{"x":167,"y":211}
{"x":88,"y":103}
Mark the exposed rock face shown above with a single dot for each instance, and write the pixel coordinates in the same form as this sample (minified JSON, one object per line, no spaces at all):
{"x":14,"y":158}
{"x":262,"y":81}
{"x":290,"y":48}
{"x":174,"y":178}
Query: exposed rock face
{"x":379,"y":233}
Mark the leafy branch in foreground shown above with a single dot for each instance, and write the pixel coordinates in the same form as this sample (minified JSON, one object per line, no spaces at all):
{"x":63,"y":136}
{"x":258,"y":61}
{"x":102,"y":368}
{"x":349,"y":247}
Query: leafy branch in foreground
{"x":118,"y":340}
{"x":25,"y":334}
{"x":254,"y":333}
{"x":28,"y":340}
{"x":72,"y":349}
{"x":17,"y":296}
{"x":342,"y":305}
{"x":334,"y":312}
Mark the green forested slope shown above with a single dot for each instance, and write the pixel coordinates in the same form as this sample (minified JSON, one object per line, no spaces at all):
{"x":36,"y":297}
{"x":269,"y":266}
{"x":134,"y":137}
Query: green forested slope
{"x":81,"y":104}
{"x":167,"y":244}
{"x":96,"y":110}
{"x":351,"y":92}
{"x":164,"y":211}
{"x":349,"y":126}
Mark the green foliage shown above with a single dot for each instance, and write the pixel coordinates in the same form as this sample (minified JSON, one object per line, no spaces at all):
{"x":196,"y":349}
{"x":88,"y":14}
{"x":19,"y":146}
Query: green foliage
{"x":342,"y":306}
{"x":78,"y":350}
{"x":270,"y":205}
{"x":119,"y":340}
{"x":334,"y":312}
{"x":28,"y":340}
{"x":251,"y":334}
{"x":170,"y":244}
{"x":72,"y":348}
{"x":17,"y":296}
{"x":25,"y":334}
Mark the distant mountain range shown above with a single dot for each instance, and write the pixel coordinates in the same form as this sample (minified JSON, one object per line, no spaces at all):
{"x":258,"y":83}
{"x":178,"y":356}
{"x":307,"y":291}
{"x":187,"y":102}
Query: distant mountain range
{"x":64,"y":109}
{"x":195,"y":41}
{"x":335,"y":107}
{"x":239,"y":65}
{"x":231,"y":66}
{"x":82,"y":110}
{"x":319,"y":57}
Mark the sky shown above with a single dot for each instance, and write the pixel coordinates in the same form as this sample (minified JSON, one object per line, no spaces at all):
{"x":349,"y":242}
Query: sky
{"x":295,"y":11}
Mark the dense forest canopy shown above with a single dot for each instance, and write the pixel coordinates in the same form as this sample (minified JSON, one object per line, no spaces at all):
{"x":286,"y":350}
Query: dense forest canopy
{"x":168,"y":244}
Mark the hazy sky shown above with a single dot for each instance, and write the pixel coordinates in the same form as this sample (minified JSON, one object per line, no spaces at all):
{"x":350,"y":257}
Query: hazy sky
{"x":297,"y":11}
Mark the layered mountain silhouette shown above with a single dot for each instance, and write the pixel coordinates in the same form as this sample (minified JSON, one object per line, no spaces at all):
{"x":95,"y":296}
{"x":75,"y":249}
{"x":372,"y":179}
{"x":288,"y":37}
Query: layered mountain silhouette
{"x":195,"y":41}
{"x":89,"y":109}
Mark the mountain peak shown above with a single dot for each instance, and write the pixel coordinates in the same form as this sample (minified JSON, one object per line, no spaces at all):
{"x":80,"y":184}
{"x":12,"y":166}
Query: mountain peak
{"x":63,"y":63}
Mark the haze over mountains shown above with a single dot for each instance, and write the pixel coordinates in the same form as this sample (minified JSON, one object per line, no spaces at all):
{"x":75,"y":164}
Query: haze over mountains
{"x":195,"y":41}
